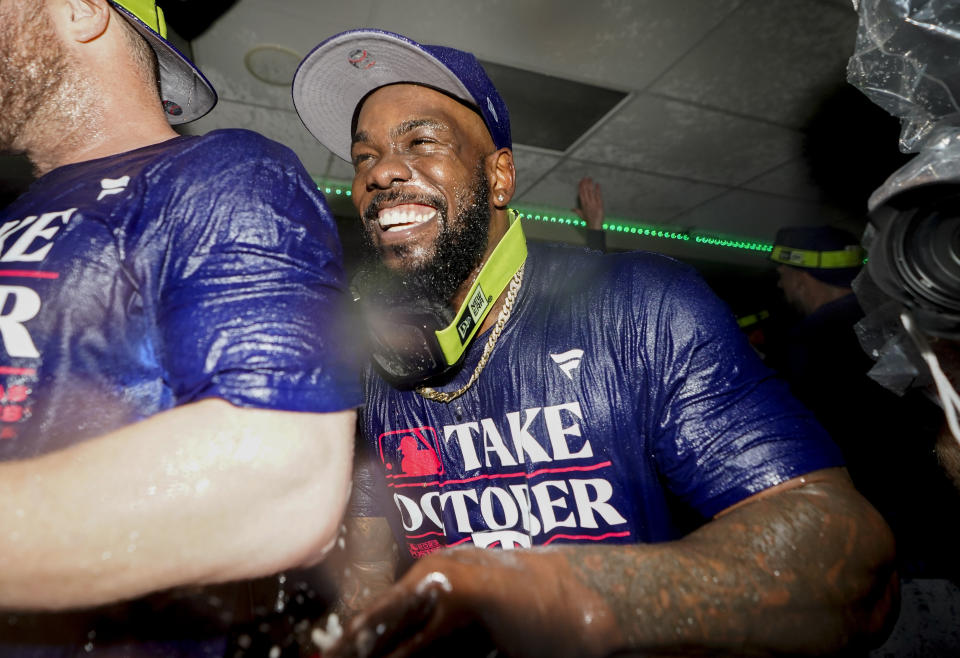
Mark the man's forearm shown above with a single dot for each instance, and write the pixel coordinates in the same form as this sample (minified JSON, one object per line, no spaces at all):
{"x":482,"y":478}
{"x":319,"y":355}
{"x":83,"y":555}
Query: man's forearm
{"x":199,"y":494}
{"x":805,"y":571}
{"x":369,"y":564}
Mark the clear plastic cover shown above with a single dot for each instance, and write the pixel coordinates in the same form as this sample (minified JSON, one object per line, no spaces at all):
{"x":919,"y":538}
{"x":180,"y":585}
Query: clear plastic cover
{"x":907,"y":61}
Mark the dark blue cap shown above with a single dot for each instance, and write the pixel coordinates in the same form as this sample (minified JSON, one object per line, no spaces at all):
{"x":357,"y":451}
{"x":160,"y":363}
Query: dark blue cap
{"x":340,"y":72}
{"x":829,"y":254}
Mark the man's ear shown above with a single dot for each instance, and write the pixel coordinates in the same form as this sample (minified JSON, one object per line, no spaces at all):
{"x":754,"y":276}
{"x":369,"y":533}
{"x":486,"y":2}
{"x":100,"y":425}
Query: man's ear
{"x":84,"y":20}
{"x":501,"y":177}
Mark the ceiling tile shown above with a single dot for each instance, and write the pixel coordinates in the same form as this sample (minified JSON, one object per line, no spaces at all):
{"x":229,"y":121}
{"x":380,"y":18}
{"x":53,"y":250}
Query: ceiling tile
{"x":755,"y":215}
{"x":627,"y":195}
{"x":293,"y":26}
{"x":771,"y":59}
{"x":790,"y":179}
{"x":661,"y":136}
{"x":619,"y":43}
{"x":531,"y":164}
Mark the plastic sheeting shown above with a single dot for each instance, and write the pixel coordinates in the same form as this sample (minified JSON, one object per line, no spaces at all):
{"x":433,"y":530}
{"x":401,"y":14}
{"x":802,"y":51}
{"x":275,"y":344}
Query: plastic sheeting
{"x":907,"y":61}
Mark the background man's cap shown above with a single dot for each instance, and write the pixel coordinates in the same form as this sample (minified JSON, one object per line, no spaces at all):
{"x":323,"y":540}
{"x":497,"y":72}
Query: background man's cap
{"x":339,"y":73}
{"x":186,"y":93}
{"x":829,"y":254}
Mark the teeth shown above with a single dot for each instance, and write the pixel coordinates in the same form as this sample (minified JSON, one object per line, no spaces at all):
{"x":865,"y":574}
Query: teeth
{"x":400,"y":216}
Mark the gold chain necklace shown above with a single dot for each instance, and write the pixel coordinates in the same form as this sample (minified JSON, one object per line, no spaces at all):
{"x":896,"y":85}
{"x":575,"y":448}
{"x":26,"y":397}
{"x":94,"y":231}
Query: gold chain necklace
{"x":502,"y":317}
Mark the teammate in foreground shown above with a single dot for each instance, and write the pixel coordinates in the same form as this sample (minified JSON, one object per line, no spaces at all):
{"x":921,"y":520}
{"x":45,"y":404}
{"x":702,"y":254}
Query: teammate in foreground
{"x":176,"y":408}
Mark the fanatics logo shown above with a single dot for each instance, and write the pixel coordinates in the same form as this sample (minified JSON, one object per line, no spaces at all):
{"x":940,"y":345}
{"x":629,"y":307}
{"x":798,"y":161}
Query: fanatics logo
{"x":568,"y":361}
{"x":110,"y":186}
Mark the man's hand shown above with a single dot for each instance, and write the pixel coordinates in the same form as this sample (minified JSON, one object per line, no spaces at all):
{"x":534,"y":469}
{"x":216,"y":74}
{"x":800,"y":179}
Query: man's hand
{"x":367,"y":564}
{"x":590,"y":209}
{"x":803,"y":568}
{"x":469,"y":601}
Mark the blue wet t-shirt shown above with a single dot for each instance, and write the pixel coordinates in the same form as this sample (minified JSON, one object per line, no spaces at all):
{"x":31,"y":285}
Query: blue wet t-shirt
{"x":199,"y":267}
{"x":620,"y":391}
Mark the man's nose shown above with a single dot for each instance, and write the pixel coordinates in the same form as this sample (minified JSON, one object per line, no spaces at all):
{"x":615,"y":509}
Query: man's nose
{"x":388,"y":170}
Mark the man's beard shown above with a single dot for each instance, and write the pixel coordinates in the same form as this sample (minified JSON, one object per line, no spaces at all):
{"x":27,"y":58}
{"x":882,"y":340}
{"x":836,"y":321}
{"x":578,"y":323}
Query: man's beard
{"x":33,"y":68}
{"x":429,"y":282}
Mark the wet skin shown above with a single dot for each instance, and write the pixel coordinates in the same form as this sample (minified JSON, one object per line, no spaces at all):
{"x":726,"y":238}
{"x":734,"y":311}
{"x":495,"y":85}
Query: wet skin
{"x":803,"y":567}
{"x":416,"y":153}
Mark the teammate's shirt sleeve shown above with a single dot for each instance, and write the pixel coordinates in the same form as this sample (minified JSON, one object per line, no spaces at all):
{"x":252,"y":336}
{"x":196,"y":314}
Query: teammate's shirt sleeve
{"x":251,"y":292}
{"x":726,"y":428}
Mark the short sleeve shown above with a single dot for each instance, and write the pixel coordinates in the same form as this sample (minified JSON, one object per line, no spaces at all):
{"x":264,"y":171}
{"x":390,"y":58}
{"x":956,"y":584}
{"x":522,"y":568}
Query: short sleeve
{"x":726,"y":428}
{"x":251,"y":299}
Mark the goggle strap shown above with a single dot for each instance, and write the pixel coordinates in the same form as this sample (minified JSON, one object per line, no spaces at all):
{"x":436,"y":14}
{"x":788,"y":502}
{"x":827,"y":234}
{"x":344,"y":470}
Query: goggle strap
{"x":850,"y":257}
{"x":503,"y":264}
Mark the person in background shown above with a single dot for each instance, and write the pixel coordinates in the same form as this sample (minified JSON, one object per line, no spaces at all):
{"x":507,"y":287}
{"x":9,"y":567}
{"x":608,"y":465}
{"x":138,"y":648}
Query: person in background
{"x":888,"y":441}
{"x":177,"y":402}
{"x":595,"y":397}
{"x":590,"y":209}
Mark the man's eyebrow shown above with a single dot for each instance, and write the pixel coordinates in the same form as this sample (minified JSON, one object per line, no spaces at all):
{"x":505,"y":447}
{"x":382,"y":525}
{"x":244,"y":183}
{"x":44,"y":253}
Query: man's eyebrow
{"x":413,"y":124}
{"x":361,"y":136}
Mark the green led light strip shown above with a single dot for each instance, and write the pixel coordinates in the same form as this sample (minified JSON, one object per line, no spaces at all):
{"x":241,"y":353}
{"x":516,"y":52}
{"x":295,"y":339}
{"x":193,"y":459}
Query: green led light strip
{"x":612,"y":226}
{"x":331,"y":188}
{"x":339,"y":188}
{"x":736,"y":244}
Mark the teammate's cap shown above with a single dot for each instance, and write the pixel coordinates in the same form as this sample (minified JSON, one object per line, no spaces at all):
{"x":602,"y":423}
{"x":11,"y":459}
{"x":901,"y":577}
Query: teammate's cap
{"x":827,"y":253}
{"x":338,"y":74}
{"x":186,"y":94}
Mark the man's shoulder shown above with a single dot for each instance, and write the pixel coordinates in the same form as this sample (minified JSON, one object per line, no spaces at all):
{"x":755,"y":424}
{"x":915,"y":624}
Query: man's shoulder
{"x":237,"y":142}
{"x":561,"y":254}
{"x":642,"y":271}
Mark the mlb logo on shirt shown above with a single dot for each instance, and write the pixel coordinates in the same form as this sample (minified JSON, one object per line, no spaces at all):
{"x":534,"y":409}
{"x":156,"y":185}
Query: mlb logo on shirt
{"x":410,"y":453}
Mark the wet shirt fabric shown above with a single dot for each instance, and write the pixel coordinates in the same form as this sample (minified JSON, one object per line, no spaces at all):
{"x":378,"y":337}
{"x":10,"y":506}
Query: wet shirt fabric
{"x":620,"y":392}
{"x":199,"y":267}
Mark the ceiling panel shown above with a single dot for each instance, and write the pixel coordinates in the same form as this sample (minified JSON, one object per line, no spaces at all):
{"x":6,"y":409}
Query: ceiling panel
{"x":755,"y":214}
{"x":531,"y":165}
{"x":292,"y":25}
{"x":617,"y":43}
{"x":626,"y":194}
{"x":790,"y":179}
{"x":661,"y":136}
{"x":772,"y":59}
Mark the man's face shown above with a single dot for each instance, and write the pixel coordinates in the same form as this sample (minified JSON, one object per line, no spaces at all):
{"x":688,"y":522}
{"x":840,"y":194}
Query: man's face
{"x":32,"y":63}
{"x":420,"y":185}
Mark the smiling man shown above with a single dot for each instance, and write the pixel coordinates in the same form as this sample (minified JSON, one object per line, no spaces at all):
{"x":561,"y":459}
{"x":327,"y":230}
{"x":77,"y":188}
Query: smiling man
{"x":599,"y":413}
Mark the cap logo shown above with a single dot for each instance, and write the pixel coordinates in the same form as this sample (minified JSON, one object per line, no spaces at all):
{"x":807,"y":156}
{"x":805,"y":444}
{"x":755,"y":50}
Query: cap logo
{"x":492,"y":110}
{"x":361,"y":59}
{"x":172,"y":108}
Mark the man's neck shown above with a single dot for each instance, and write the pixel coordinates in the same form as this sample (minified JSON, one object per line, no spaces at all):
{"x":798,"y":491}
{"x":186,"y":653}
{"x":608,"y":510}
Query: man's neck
{"x":80,"y":144}
{"x":95,"y":113}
